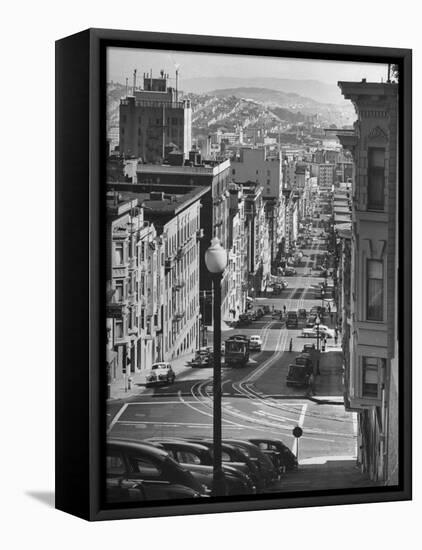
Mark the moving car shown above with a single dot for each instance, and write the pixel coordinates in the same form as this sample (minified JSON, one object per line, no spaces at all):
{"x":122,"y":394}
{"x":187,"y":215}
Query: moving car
{"x":132,"y":465}
{"x":161,"y":373}
{"x":308,"y":348}
{"x":297,"y":375}
{"x":292,"y":320}
{"x":255,"y":342}
{"x":280,"y":454}
{"x":306,"y":360}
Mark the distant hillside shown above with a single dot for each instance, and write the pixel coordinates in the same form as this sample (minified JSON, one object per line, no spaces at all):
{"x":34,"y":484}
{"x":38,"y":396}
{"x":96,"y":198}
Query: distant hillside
{"x":269,"y":97}
{"x":318,"y":91}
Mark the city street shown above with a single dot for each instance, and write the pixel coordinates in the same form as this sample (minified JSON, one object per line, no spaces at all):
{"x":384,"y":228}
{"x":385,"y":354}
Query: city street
{"x":256,"y":400}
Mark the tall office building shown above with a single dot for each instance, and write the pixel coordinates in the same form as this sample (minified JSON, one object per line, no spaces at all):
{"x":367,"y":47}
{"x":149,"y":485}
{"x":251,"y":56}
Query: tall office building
{"x":153,"y":119}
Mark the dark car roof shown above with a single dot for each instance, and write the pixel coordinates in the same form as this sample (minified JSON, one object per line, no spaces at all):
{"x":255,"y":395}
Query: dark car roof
{"x":181,"y":443}
{"x":137,"y":446}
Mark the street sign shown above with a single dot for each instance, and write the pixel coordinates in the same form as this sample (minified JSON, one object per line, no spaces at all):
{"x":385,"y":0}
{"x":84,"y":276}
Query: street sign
{"x":297,"y":431}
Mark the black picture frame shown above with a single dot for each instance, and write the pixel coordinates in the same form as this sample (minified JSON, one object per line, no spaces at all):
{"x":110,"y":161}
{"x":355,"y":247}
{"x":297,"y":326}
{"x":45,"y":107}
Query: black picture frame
{"x":80,"y":382}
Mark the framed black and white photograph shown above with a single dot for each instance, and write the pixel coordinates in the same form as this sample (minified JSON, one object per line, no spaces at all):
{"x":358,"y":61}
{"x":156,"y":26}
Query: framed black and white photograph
{"x":238,"y":278}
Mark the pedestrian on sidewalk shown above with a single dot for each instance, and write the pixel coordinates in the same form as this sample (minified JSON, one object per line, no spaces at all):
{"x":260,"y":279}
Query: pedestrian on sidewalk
{"x":284,"y":309}
{"x":335,"y":339}
{"x":291,"y":344}
{"x":323,"y":345}
{"x":311,"y":385}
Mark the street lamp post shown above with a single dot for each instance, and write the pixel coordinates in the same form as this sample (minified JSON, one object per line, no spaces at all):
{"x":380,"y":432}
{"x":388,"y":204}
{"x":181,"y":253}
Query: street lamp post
{"x":216,"y":262}
{"x":317,"y":322}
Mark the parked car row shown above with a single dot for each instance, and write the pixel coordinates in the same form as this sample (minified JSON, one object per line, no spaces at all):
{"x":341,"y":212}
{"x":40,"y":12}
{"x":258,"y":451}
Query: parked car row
{"x":163,"y":468}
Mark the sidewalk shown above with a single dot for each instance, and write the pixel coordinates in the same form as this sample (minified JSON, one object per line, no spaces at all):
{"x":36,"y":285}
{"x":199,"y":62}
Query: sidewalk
{"x":329,"y":384}
{"x":120,"y":388}
{"x":329,"y":473}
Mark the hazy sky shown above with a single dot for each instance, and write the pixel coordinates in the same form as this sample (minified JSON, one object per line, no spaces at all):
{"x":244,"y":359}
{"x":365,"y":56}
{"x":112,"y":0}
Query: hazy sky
{"x":122,"y":62}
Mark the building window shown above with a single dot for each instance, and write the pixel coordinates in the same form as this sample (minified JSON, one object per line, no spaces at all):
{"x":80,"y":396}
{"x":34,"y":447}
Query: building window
{"x":119,"y":294}
{"x":374,"y":290}
{"x":370,"y":376}
{"x":118,"y":254}
{"x":376,"y":178}
{"x":118,"y":327}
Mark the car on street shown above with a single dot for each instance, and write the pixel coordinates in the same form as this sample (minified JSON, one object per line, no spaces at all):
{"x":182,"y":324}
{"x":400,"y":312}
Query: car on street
{"x":326,"y":331}
{"x":306,"y":360}
{"x":280,"y":454}
{"x":302,"y":313}
{"x":308,"y":348}
{"x":264,"y":464}
{"x":255,"y":342}
{"x":133,"y":465}
{"x":244,"y":320}
{"x":310,"y":322}
{"x":310,"y":332}
{"x":198,"y":460}
{"x":292,"y":319}
{"x":234,"y":456}
{"x":297,"y":375}
{"x":290,"y":272}
{"x":160,"y":373}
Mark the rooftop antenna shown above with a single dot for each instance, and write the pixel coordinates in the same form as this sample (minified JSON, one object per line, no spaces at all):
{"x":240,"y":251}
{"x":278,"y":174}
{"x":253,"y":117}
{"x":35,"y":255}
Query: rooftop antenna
{"x":126,"y":87}
{"x":134,"y":81}
{"x":177,"y":82}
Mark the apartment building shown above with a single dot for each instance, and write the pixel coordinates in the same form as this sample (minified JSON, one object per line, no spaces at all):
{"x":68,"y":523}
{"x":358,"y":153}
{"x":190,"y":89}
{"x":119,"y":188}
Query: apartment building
{"x":372,"y":365}
{"x":133,"y":302}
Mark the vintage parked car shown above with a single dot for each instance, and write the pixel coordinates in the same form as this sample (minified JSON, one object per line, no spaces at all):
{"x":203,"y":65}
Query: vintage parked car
{"x":133,"y":465}
{"x":302,"y":313}
{"x":198,"y":460}
{"x":280,"y":454}
{"x":289,"y":272}
{"x":234,"y":456}
{"x":326,"y":331}
{"x":161,"y":373}
{"x":265,"y":466}
{"x":310,"y":322}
